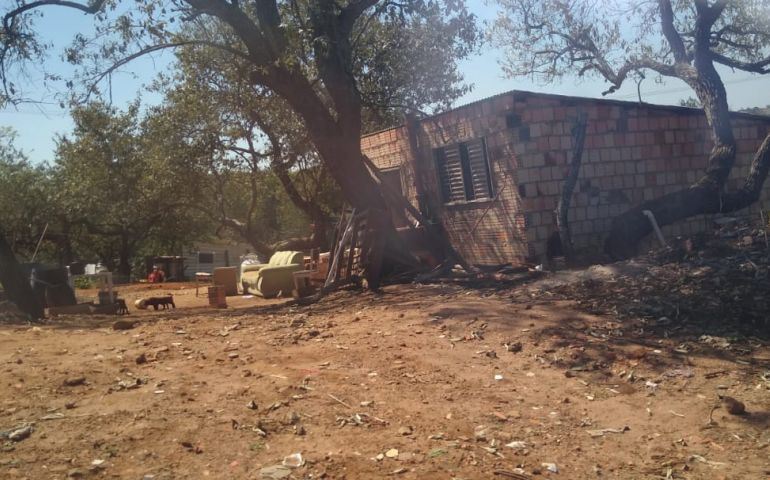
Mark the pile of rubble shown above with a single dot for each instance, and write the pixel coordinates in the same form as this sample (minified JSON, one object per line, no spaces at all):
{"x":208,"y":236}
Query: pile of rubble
{"x":10,"y":313}
{"x":721,"y":286}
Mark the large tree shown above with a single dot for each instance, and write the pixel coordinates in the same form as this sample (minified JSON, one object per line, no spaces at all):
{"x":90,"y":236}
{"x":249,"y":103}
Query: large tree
{"x":112,"y":182}
{"x":242,"y":145}
{"x":679,"y":39}
{"x":303,"y":51}
{"x":22,"y":206}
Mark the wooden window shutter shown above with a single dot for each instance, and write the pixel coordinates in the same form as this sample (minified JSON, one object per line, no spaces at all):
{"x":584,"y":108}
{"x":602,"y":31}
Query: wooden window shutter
{"x":450,"y":172}
{"x":478,"y":167}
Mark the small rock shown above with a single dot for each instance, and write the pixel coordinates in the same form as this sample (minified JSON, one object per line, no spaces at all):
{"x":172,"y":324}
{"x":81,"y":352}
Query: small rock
{"x":392,"y":453}
{"x":123,"y":325}
{"x":70,"y":405}
{"x":75,"y":473}
{"x":514,"y":347}
{"x":74,"y":381}
{"x":232,"y":356}
{"x":252,"y":405}
{"x":192,"y":447}
{"x":480,"y":433}
{"x":297,"y":321}
{"x":407,"y":430}
{"x":292,"y":418}
{"x":141,"y":359}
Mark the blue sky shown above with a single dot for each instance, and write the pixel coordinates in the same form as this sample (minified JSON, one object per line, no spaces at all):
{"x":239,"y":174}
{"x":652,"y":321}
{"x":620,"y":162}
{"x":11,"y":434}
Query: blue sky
{"x":37,"y":125}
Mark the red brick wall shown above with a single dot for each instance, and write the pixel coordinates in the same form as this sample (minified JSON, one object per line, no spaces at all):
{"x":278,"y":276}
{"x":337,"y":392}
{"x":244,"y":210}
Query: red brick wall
{"x":485,"y":232}
{"x":632,"y":153}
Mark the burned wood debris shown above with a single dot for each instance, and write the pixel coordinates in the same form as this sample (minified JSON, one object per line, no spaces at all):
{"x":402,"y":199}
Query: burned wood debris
{"x":717,"y":284}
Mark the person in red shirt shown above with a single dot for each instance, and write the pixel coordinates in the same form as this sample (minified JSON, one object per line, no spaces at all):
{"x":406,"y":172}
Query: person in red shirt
{"x":157,"y":275}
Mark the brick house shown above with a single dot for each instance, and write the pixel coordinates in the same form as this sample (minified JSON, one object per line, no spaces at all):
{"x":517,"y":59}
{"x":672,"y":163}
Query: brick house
{"x":491,"y":171}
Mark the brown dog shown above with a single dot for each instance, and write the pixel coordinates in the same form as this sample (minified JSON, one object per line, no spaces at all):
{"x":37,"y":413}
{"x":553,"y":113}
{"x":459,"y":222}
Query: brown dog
{"x":156,"y":302}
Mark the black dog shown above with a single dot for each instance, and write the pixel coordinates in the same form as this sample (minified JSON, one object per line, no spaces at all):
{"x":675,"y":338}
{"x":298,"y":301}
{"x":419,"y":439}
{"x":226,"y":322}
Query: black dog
{"x":120,"y":307}
{"x":164,"y":302}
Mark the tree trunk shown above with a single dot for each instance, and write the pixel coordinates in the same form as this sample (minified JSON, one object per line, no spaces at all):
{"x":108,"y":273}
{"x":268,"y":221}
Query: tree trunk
{"x":124,"y":257}
{"x":706,"y":195}
{"x":562,"y":208}
{"x":15,"y":284}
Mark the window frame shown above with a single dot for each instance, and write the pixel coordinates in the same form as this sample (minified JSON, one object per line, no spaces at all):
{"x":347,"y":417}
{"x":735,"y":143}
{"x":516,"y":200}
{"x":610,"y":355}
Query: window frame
{"x":439,"y":156}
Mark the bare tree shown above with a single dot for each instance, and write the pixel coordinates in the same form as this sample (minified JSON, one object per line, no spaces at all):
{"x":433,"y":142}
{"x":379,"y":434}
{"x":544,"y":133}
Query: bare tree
{"x":679,"y":39}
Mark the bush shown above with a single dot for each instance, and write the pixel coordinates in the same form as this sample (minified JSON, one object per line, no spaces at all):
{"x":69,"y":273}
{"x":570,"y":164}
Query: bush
{"x":83,"y":283}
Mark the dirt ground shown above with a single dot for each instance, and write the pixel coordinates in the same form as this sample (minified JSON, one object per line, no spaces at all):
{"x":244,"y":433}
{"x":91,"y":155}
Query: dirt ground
{"x":418,"y":382}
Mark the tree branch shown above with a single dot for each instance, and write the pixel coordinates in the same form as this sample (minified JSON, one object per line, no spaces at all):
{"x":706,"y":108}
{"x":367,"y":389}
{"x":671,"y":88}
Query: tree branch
{"x":669,"y":31}
{"x":761,"y":67}
{"x":95,"y":6}
{"x":157,"y":48}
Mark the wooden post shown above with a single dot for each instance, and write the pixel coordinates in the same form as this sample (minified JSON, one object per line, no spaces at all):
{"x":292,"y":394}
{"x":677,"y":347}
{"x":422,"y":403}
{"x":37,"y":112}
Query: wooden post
{"x":376,"y":248}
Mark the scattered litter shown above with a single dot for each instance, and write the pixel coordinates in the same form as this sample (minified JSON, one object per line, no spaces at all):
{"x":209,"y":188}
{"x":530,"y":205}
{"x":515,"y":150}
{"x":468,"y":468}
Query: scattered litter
{"x":20,"y":433}
{"x":53,"y":416}
{"x":498,"y":377}
{"x":680,"y":372}
{"x":677,"y":414}
{"x":516,"y":474}
{"x":602,"y":431}
{"x":551,"y":467}
{"x":702,"y":459}
{"x":517,"y":445}
{"x":294,"y":460}
{"x":436,"y":452}
{"x":275,"y":472}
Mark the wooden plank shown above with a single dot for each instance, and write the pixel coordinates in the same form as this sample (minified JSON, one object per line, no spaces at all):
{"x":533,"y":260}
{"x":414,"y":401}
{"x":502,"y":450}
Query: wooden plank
{"x":441,"y":240}
{"x":353,"y":241}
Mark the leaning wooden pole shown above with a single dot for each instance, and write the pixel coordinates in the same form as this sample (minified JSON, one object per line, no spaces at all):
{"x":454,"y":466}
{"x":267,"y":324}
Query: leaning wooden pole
{"x":436,"y":237}
{"x":562,"y":208}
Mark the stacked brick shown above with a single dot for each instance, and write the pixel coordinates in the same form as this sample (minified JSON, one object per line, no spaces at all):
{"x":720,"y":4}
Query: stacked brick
{"x":632,"y":153}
